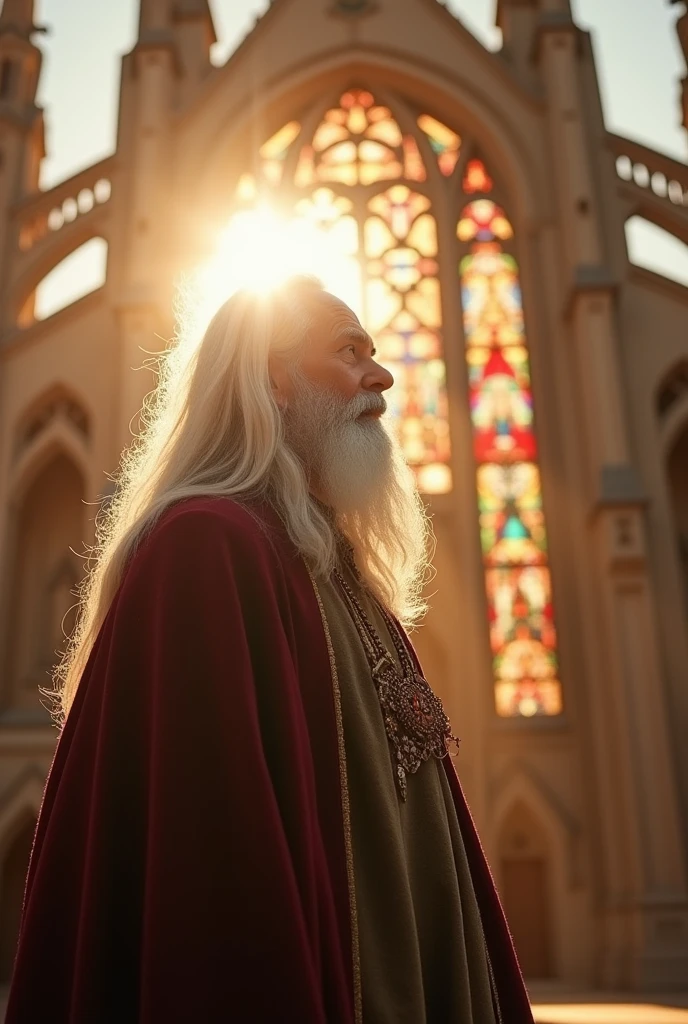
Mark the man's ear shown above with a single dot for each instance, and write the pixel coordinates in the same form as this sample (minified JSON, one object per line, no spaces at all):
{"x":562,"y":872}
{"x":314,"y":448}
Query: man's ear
{"x":280,"y":381}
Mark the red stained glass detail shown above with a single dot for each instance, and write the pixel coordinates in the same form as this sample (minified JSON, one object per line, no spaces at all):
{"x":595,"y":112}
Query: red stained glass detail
{"x":476,"y":178}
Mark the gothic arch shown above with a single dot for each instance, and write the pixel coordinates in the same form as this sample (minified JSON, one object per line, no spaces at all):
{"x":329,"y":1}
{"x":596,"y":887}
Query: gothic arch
{"x":462,"y":107}
{"x":59,"y":402}
{"x":57,"y":438}
{"x":403,"y":196}
{"x":46,"y":533}
{"x":521,"y":784}
{"x":522,"y":795}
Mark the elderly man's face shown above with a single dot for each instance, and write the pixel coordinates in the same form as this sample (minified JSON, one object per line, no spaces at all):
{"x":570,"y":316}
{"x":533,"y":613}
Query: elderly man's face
{"x":332,"y":403}
{"x":339,"y":356}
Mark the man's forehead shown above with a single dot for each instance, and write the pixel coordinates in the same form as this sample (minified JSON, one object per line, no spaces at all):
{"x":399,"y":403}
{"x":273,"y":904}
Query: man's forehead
{"x":334,"y":317}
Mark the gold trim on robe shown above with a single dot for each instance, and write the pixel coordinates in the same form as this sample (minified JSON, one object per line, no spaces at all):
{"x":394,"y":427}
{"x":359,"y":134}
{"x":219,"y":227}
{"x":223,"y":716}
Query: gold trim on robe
{"x":346,"y":811}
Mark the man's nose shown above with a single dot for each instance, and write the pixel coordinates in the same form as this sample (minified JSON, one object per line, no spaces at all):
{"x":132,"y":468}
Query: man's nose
{"x":378,"y":378}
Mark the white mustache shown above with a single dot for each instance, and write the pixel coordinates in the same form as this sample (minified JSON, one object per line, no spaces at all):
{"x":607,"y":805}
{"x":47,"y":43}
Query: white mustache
{"x":365,"y":402}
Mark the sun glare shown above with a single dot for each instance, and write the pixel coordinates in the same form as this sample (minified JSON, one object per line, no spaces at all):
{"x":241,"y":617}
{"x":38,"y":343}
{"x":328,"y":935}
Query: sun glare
{"x":259,"y":249}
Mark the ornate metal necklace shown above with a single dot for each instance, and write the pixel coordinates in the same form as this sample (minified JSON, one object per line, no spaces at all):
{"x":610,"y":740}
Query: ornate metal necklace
{"x":416,"y":725}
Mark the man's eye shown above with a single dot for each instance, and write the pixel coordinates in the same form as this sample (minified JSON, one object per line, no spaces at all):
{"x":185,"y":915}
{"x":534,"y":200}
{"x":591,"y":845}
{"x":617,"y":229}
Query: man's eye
{"x":350,"y":348}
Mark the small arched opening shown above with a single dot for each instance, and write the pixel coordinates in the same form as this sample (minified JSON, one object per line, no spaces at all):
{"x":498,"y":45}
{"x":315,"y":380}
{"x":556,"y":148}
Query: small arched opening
{"x":81,"y":272}
{"x":524,"y":865}
{"x":653,"y":248}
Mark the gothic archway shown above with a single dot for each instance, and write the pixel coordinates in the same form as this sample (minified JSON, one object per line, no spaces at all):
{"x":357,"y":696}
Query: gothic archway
{"x":524,"y":869}
{"x":48,"y":528}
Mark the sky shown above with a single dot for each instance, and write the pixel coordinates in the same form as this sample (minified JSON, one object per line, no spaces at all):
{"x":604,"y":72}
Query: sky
{"x":639,"y":65}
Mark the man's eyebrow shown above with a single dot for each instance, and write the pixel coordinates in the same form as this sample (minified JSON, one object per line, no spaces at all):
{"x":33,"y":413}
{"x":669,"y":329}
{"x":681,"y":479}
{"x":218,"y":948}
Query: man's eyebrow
{"x":356,"y":334}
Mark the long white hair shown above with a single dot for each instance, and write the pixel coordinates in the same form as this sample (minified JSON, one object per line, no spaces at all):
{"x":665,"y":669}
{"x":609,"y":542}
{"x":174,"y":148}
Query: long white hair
{"x":212,"y":427}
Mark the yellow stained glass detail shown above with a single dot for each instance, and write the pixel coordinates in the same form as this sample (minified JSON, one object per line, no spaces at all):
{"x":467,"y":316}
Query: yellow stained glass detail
{"x":246,"y":190}
{"x":305,"y":169}
{"x":425,"y":303}
{"x":358,"y":143}
{"x":399,"y":207}
{"x":379,"y":114}
{"x":383,"y":304}
{"x":276,"y":147}
{"x":423,"y":235}
{"x":383,"y":171}
{"x":327,"y":134}
{"x":414,"y":168}
{"x":386,"y":131}
{"x":378,"y":238}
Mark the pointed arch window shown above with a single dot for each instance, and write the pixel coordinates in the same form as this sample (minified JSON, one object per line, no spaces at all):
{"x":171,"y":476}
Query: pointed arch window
{"x":368,"y":174}
{"x":512,"y":521}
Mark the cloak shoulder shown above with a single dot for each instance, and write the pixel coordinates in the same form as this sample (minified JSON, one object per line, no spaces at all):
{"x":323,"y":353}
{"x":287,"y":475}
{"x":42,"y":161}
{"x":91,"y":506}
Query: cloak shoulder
{"x":187,"y":866}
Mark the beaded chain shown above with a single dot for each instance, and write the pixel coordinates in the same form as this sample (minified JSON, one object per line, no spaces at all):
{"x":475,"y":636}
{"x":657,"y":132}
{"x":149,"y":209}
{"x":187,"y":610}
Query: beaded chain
{"x":416,"y":725}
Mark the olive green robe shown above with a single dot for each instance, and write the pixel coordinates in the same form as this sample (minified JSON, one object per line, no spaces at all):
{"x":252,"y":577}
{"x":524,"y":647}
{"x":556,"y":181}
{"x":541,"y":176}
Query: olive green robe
{"x":422,"y":951}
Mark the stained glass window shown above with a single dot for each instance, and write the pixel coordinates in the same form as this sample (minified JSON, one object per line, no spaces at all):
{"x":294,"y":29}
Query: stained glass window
{"x":512,"y":523}
{"x":404,"y":313}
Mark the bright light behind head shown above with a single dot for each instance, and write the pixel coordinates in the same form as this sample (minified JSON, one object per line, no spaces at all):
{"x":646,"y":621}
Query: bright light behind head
{"x":259,"y":250}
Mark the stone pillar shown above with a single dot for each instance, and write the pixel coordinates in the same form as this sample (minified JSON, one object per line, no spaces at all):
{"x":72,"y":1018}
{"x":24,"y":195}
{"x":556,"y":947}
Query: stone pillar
{"x":143,"y":283}
{"x":642,"y":895}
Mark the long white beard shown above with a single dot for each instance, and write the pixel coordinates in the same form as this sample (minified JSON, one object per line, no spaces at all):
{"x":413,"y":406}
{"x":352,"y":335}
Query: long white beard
{"x":357,"y":468}
{"x":349,"y":460}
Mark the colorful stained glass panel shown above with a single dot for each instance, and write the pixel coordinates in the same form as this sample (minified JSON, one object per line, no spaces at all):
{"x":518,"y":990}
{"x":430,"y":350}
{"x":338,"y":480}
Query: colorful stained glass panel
{"x":512,"y":521}
{"x":414,"y":168}
{"x":423,"y":235}
{"x":523,"y":640}
{"x":277,"y":146}
{"x":512,"y":527}
{"x":399,"y":207}
{"x":483,"y":220}
{"x":491,"y":298}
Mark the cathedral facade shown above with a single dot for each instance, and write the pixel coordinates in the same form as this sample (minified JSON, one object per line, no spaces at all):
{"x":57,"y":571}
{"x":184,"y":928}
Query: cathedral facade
{"x":477,"y":203}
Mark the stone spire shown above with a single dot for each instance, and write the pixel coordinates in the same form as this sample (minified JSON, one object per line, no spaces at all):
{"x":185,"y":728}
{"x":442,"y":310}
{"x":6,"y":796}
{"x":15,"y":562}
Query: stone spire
{"x":198,"y":12}
{"x":155,"y":20}
{"x":18,"y":16}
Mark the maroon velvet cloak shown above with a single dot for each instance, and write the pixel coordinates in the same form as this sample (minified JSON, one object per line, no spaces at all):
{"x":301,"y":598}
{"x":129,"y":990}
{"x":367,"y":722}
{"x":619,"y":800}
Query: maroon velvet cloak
{"x":191,"y":862}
